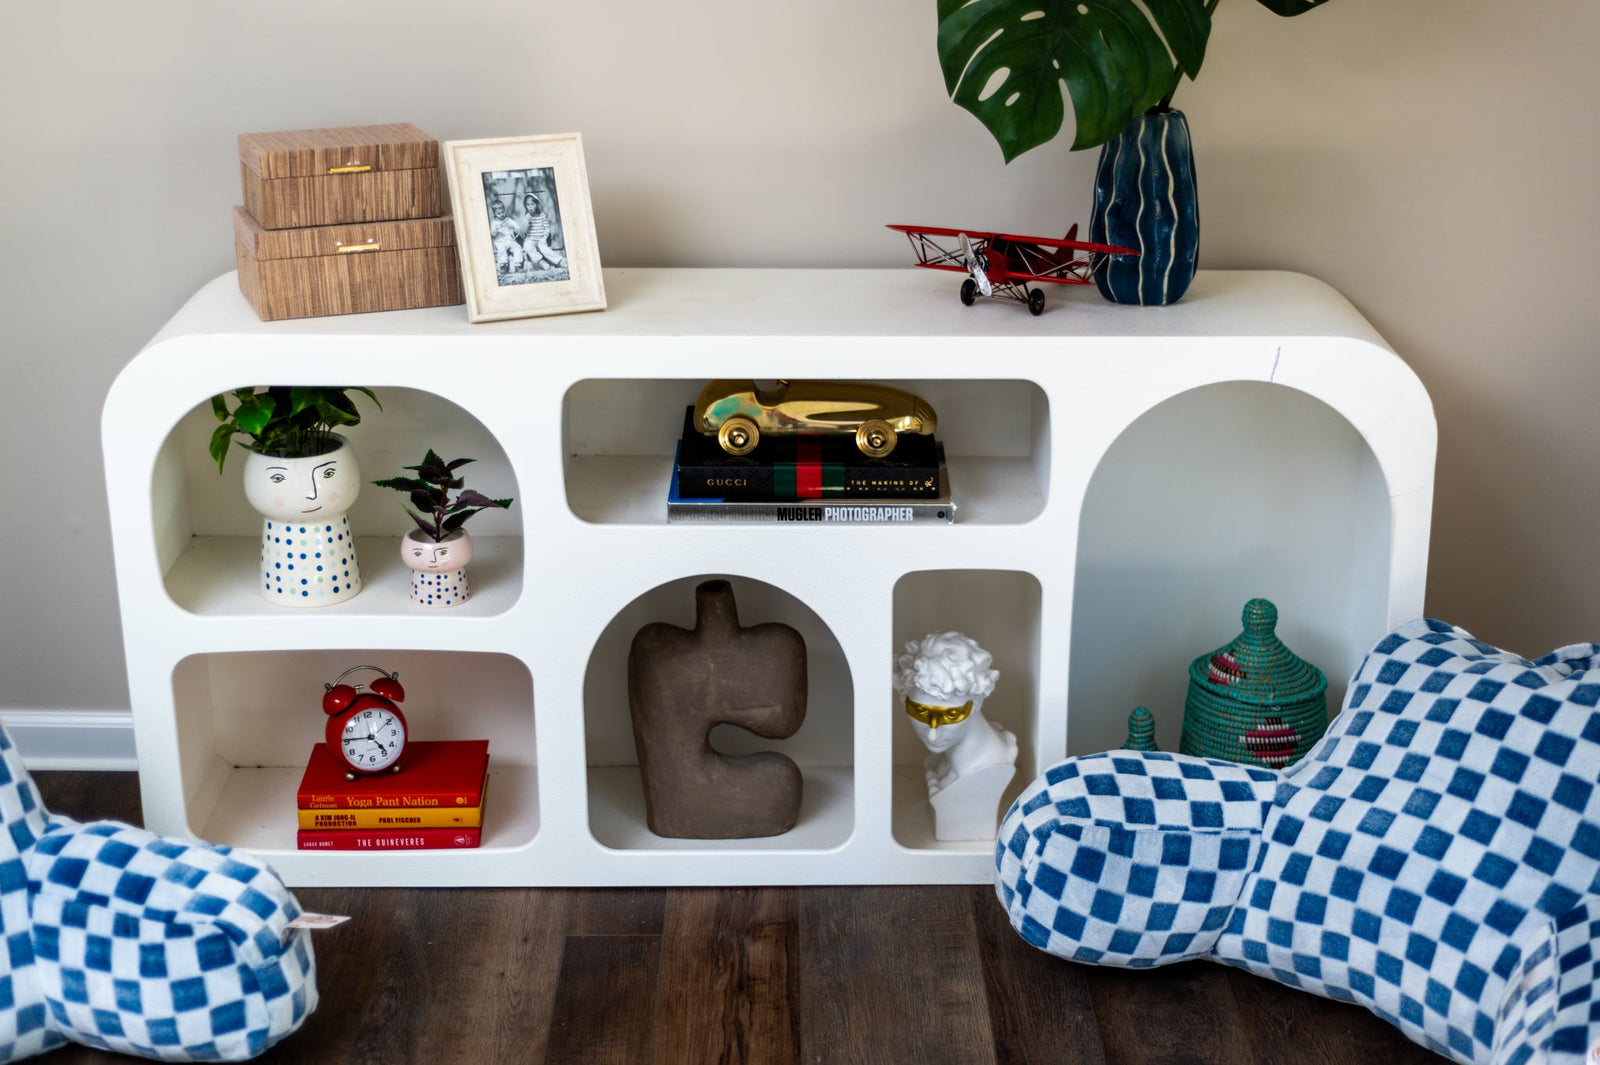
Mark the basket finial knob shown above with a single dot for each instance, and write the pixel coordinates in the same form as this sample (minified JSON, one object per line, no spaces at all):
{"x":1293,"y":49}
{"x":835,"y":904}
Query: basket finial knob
{"x":1260,"y":618}
{"x":1141,"y":731}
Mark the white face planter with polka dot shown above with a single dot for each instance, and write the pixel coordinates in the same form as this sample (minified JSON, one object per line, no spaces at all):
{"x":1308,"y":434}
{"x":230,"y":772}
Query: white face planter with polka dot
{"x":438,"y":567}
{"x":308,"y":553}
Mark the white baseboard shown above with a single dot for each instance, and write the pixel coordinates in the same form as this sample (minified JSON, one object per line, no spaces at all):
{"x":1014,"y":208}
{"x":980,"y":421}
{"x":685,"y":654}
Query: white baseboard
{"x":72,"y":739}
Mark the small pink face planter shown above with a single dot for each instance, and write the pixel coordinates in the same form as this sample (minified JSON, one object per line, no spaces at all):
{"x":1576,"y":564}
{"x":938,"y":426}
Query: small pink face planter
{"x":308,"y":553}
{"x":438,"y":568}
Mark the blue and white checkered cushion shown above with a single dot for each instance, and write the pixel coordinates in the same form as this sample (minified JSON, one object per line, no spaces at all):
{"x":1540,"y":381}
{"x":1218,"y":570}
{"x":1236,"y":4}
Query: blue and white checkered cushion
{"x":1131,"y":858}
{"x":1436,"y":857}
{"x":126,"y":941}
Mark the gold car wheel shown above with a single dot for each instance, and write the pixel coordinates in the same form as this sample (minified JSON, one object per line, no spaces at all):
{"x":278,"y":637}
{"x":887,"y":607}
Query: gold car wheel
{"x":876,"y":438}
{"x":738,"y":436}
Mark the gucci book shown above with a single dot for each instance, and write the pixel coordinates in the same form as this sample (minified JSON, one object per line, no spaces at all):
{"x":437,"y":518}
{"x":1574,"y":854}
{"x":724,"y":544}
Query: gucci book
{"x":805,"y":467}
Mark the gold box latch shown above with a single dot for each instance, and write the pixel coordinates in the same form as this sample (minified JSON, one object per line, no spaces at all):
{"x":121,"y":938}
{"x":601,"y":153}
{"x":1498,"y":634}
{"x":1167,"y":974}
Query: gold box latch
{"x":350,"y":168}
{"x":370,"y":245}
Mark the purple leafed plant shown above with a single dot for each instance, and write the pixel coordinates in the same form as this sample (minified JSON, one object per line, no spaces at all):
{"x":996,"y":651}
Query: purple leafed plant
{"x":436,"y":513}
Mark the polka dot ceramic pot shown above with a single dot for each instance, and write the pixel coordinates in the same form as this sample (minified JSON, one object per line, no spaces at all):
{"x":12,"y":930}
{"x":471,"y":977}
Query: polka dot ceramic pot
{"x":438,"y":568}
{"x":308,"y":552}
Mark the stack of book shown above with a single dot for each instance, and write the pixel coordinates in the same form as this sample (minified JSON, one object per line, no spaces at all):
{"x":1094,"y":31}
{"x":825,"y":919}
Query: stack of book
{"x":808,"y":478}
{"x":434,"y":803}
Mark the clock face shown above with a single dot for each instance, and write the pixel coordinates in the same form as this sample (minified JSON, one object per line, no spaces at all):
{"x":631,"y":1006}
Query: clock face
{"x":372,"y":739}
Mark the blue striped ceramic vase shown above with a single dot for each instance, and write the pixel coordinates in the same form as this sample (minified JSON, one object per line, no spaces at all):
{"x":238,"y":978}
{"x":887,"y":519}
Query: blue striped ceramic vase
{"x":1145,"y":198}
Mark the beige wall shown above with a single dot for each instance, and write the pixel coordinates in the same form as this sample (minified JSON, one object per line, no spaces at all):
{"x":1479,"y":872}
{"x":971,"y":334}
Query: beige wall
{"x":1434,"y":160}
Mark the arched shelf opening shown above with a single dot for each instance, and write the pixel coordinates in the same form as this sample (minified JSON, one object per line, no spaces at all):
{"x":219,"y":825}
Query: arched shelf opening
{"x":823,"y":747}
{"x":207,"y":536}
{"x":1223,"y":493}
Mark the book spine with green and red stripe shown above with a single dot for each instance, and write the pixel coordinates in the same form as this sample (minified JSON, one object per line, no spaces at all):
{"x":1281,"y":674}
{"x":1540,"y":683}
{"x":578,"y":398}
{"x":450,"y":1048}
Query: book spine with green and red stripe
{"x":940,"y":510}
{"x":808,"y":468}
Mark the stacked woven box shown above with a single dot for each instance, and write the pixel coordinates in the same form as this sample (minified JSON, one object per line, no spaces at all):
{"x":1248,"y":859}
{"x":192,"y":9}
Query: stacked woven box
{"x":343,"y":220}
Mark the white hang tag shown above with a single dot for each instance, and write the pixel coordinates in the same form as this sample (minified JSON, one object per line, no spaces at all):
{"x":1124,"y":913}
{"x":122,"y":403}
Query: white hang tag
{"x":315,"y":921}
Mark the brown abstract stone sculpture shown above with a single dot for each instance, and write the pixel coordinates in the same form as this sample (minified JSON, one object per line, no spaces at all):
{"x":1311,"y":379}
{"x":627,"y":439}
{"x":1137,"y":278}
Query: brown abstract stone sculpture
{"x":684,"y":682}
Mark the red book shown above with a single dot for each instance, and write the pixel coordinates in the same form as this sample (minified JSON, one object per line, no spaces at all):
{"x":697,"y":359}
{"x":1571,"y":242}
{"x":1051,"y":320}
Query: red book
{"x":386,"y":839}
{"x":433,"y":774}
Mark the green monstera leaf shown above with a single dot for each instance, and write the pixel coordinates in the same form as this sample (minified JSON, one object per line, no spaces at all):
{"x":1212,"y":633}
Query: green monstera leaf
{"x":1006,"y":60}
{"x":1290,"y":7}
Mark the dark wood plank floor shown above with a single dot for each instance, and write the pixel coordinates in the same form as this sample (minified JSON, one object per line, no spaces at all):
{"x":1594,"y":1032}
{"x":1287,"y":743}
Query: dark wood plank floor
{"x":760,"y":976}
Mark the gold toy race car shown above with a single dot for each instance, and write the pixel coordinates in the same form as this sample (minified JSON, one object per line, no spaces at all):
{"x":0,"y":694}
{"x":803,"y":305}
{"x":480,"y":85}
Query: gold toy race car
{"x":738,"y":413}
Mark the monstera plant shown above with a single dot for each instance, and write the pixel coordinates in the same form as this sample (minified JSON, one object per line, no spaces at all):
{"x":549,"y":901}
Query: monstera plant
{"x":1004,"y":60}
{"x":1121,"y":61}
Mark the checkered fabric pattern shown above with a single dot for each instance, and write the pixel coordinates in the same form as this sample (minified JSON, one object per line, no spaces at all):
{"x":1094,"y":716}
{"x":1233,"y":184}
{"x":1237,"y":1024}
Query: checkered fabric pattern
{"x":1131,"y":858}
{"x":124,"y":940}
{"x":1436,"y":857}
{"x":24,"y":1017}
{"x":1553,"y":1011}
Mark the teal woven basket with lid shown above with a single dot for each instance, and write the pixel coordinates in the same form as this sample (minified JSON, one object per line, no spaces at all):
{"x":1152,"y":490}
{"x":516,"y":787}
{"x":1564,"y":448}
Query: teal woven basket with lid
{"x":1254,"y":701}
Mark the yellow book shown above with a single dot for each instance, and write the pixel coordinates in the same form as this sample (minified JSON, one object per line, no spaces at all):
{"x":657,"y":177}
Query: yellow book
{"x":436,"y":817}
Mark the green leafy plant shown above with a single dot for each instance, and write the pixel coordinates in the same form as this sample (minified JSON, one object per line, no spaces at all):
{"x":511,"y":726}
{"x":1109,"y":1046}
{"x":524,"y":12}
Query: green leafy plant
{"x":440,"y":515}
{"x":285,"y":421}
{"x":1006,"y":60}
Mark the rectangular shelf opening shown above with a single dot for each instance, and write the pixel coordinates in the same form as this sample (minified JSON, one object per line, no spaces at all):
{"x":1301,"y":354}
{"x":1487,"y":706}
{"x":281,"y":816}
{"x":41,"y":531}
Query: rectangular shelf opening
{"x":618,"y":436}
{"x":247,"y":722}
{"x":1000,"y":610}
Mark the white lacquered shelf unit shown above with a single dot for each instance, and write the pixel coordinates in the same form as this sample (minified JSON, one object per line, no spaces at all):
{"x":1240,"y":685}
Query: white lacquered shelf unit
{"x":1126,"y":478}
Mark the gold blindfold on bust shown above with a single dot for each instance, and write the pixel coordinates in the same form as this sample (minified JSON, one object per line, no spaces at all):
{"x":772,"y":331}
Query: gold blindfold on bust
{"x":938,"y":716}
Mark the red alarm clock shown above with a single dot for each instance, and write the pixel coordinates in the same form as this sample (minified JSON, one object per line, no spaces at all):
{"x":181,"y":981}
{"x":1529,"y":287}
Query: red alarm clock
{"x":365,"y":728}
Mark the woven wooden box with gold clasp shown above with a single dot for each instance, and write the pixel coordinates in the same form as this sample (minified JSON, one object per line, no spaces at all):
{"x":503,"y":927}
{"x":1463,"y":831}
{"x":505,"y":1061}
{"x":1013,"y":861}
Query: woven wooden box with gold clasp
{"x":1254,"y":701}
{"x":346,"y":269}
{"x":326,"y":177}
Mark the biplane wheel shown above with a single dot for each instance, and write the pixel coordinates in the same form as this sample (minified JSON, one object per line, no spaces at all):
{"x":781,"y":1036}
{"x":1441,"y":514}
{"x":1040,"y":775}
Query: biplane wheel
{"x":1036,"y":302}
{"x":876,"y":438}
{"x":738,"y":436}
{"x":969,"y":292}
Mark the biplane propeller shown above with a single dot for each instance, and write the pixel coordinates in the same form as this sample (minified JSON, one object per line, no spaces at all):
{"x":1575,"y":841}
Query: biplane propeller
{"x":1001,"y":266}
{"x":977,"y":269}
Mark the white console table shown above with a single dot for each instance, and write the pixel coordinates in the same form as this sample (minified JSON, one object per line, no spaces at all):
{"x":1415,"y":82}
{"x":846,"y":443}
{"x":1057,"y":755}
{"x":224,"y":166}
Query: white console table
{"x":1126,"y":479}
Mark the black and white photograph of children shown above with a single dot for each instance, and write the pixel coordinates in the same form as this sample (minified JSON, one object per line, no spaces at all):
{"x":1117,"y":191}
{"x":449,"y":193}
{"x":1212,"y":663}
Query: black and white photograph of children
{"x":525,"y":226}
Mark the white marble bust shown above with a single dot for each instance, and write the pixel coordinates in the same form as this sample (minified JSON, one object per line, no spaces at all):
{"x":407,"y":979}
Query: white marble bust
{"x":943,"y":680}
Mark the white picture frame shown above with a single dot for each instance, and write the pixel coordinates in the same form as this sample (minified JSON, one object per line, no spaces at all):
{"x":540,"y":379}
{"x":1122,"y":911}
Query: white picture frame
{"x":524,"y":226}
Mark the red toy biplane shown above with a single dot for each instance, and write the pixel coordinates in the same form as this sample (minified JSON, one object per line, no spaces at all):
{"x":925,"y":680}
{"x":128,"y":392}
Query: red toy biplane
{"x":1002,"y":266}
